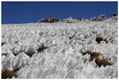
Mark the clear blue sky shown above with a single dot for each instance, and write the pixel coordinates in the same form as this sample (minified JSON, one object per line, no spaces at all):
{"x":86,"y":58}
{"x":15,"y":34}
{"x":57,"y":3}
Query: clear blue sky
{"x":27,"y":12}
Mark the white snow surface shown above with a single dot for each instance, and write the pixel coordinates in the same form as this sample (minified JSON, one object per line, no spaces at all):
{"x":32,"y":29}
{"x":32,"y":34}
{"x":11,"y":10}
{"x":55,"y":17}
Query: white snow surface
{"x":62,"y":59}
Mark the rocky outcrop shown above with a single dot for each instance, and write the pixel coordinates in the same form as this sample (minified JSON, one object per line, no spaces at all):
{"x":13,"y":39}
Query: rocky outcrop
{"x":99,"y":59}
{"x":52,"y":19}
{"x":8,"y":73}
{"x":101,"y":18}
{"x":43,"y":20}
{"x":114,"y":14}
{"x":49,"y":20}
{"x":71,"y":20}
{"x":115,"y":17}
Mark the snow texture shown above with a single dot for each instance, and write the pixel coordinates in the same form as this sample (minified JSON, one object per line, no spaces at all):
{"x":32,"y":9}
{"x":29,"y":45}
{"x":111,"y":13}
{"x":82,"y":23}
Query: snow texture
{"x":22,"y":48}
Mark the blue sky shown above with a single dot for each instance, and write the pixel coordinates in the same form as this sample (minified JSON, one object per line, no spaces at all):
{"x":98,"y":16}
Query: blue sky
{"x":27,"y":12}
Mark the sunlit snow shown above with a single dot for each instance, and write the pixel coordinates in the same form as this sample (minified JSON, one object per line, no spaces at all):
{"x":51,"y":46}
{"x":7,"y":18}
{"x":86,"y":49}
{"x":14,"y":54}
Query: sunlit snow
{"x":23,"y":49}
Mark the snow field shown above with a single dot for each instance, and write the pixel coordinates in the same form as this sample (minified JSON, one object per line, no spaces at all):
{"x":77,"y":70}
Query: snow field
{"x":62,"y":57}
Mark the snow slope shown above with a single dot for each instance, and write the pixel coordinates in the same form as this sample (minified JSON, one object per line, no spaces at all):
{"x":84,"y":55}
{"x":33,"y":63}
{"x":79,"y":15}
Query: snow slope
{"x":64,"y":41}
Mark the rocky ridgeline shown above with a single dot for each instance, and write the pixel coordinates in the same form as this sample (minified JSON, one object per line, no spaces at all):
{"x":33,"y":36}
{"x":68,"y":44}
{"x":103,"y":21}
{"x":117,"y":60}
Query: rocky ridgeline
{"x":102,"y":18}
{"x":71,"y":20}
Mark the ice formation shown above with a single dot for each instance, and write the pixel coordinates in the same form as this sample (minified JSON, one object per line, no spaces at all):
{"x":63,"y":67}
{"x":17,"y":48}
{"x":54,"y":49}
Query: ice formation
{"x":53,"y":50}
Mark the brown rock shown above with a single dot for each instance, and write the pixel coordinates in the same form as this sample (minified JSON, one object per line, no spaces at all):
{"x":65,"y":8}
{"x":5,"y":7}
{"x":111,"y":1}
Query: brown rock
{"x":8,"y":73}
{"x":49,"y":20}
{"x":52,"y":19}
{"x":96,"y":55}
{"x":101,"y":18}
